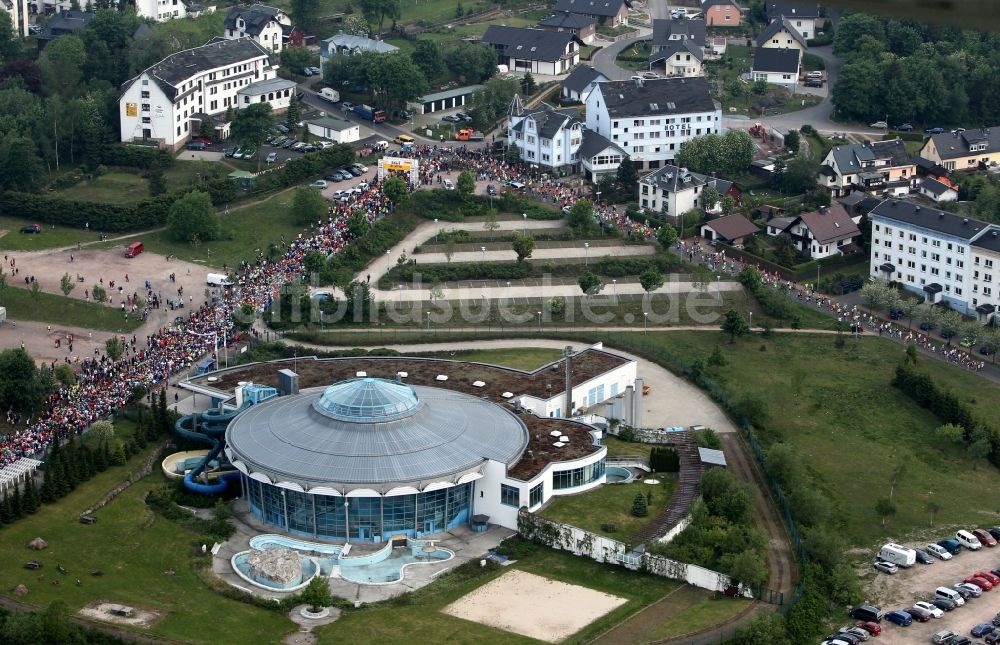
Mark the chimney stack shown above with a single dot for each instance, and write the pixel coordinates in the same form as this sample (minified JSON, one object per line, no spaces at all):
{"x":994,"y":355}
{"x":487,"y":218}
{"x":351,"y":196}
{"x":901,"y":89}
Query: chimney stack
{"x":568,"y":353}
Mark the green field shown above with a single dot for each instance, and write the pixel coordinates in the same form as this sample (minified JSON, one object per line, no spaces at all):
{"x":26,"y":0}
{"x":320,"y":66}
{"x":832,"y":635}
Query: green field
{"x":244,"y":230}
{"x":123,"y":187}
{"x":617,"y":447}
{"x":851,"y":428}
{"x":611,"y":505}
{"x":523,"y":358}
{"x":60,"y":310}
{"x":704,"y":613}
{"x":49,"y":238}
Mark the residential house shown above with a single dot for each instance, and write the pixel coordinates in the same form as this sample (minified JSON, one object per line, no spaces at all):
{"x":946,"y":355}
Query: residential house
{"x":650,"y":119}
{"x":64,"y":22}
{"x":348,"y":44}
{"x":166,"y":103}
{"x":780,"y":34}
{"x":777,"y":67}
{"x":928,"y":251}
{"x":534,"y":50}
{"x":732,"y":229}
{"x":598,"y":156}
{"x":807,"y":19}
{"x":986,"y":275}
{"x":967,"y":150}
{"x":18,"y":10}
{"x":928,"y":168}
{"x":335,"y":128}
{"x":268,"y":26}
{"x":581,"y":82}
{"x":609,"y":13}
{"x":667,"y":32}
{"x":445,"y":100}
{"x":883,"y":167}
{"x":161,"y":10}
{"x":581,"y":26}
{"x":545,"y":136}
{"x":824,"y":233}
{"x":938,"y":190}
{"x":721,"y":13}
{"x":679,"y":58}
{"x":673,"y":191}
{"x":777,"y":225}
{"x":276,"y":91}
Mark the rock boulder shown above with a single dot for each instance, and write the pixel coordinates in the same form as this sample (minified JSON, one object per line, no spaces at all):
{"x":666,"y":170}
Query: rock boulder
{"x":281,"y":565}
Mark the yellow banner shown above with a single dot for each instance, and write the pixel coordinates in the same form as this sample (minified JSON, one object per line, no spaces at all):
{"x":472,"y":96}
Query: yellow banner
{"x":131,"y":109}
{"x":390,"y":165}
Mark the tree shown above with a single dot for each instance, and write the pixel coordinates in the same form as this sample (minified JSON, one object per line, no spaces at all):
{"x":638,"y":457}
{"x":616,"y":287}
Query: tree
{"x":9,"y":41}
{"x":717,"y":358}
{"x":747,"y":568}
{"x":472,"y":63}
{"x":62,"y":65}
{"x":581,"y":217}
{"x":358,"y":224}
{"x":523,"y":245}
{"x":306,"y":14}
{"x":396,"y":190}
{"x":528,"y":84}
{"x":23,"y":387}
{"x":709,"y":198}
{"x":589,"y":283}
{"x":875,"y":294}
{"x":701,"y":277}
{"x":951,"y":321}
{"x":490,"y":104}
{"x":466,"y":184}
{"x":99,"y":294}
{"x":157,"y":182}
{"x":512,"y":155}
{"x":64,"y":375}
{"x":627,"y":176}
{"x":296,"y":59}
{"x":951,"y":433}
{"x":666,"y":236}
{"x":113,"y":348}
{"x":66,"y":284}
{"x":376,"y":11}
{"x":736,"y":151}
{"x":639,"y":507}
{"x":427,"y":56}
{"x":490,"y":223}
{"x":798,"y":176}
{"x":192,"y":218}
{"x":651,"y":279}
{"x":851,"y":28}
{"x":885,"y":508}
{"x":763,"y":628}
{"x":308,"y":206}
{"x":979,"y":445}
{"x":735,"y":325}
{"x":292,"y":116}
{"x":356,"y":25}
{"x":252,"y":125}
{"x":792,"y":140}
{"x":20,"y":166}
{"x":393,"y":80}
{"x":759,"y":87}
{"x":317,"y":594}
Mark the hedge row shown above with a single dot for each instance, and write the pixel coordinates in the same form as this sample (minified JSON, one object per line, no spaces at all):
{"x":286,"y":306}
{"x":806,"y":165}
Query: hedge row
{"x":132,"y":156}
{"x":384,"y":234}
{"x":112,"y":218}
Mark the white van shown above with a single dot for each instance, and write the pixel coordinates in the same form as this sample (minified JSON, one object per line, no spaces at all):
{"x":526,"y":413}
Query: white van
{"x":968,"y":540}
{"x":949,"y":594}
{"x":898,"y":554}
{"x":218,"y":280}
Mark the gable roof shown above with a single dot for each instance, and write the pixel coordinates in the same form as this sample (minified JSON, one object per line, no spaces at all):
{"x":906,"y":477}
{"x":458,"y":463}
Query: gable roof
{"x":732,"y":227}
{"x":830,"y":224}
{"x":658,"y":96}
{"x":775,"y":27}
{"x":581,"y":77}
{"x":350,"y":41}
{"x":935,"y":187}
{"x":678,"y":46}
{"x":173,"y":70}
{"x":567,"y":21}
{"x":953,"y":145}
{"x":930,"y":167}
{"x":549,"y":120}
{"x":65,"y":22}
{"x":603,"y":8}
{"x":664,"y":28}
{"x":849,"y":157}
{"x":929,"y":218}
{"x":791,"y":10}
{"x":255,"y":17}
{"x":594,"y":143}
{"x":529,"y":44}
{"x":782,"y":61}
{"x":672,"y":179}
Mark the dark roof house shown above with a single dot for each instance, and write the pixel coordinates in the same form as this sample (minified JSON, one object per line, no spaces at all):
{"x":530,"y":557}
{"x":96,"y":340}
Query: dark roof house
{"x":768,"y":33}
{"x":830,"y":224}
{"x":562,"y":20}
{"x":775,"y":10}
{"x":732,"y":227}
{"x":654,"y":97}
{"x":776,"y":61}
{"x":954,"y":145}
{"x":529,"y":44}
{"x":255,"y":18}
{"x":666,"y":30}
{"x":929,"y":218}
{"x":64,"y":22}
{"x":677,"y":47}
{"x":603,"y":8}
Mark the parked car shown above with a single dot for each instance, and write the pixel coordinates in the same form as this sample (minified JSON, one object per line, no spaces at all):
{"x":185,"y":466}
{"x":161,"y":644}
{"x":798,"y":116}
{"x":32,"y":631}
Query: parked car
{"x":995,"y":532}
{"x":319,"y":183}
{"x":465,"y":117}
{"x":271,"y":157}
{"x":360,"y":167}
{"x":982,"y":629}
{"x":881,"y":125}
{"x":960,"y":640}
{"x":354,"y":172}
{"x":346,"y":106}
{"x":196,"y":145}
{"x":992,"y":638}
{"x":968,"y":540}
{"x":814,"y":82}
{"x":850,"y":639}
{"x":905,"y":127}
{"x":984,"y":537}
{"x":952,"y":546}
{"x":943,"y":636}
{"x":923,"y":557}
{"x":282,"y":128}
{"x":452,"y":118}
{"x":491,"y":189}
{"x":650,"y":75}
{"x":856,"y":631}
{"x":935,"y":612}
{"x":204,"y":140}
{"x":871,"y":627}
{"x":250,"y":154}
{"x":885,"y":567}
{"x":230,"y":152}
{"x":315,"y":70}
{"x":899,"y":617}
{"x":32,"y":228}
{"x":866,"y":613}
{"x":835,"y":641}
{"x":289,"y":143}
{"x":448,"y":185}
{"x":982,"y":583}
{"x":307,"y":71}
{"x":974,"y":591}
{"x":919,"y":613}
{"x":989,"y":575}
{"x":996,"y":620}
{"x":934,"y":130}
{"x":944,"y":604}
{"x":939,"y":551}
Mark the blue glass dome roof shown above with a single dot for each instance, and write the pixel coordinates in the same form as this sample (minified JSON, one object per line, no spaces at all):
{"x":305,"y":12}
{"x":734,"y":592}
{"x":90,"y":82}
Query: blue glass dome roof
{"x":365,"y":400}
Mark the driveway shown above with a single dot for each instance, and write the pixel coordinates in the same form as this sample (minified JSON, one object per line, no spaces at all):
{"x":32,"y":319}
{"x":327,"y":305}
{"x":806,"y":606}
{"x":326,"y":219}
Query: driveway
{"x":604,"y":60}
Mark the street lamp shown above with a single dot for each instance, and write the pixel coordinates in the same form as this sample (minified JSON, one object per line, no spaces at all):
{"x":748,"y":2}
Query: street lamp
{"x":614,"y":285}
{"x":400,"y":295}
{"x":597,"y":197}
{"x":751,"y":320}
{"x":436,"y":230}
{"x":525,"y":229}
{"x":428,"y":321}
{"x":483,"y":249}
{"x":586,"y":251}
{"x":718,"y":292}
{"x":645,"y":322}
{"x":387,"y":260}
{"x":539,"y":320}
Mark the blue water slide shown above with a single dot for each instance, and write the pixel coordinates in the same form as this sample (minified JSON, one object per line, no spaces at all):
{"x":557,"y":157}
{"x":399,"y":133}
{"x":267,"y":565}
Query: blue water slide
{"x":207,"y":427}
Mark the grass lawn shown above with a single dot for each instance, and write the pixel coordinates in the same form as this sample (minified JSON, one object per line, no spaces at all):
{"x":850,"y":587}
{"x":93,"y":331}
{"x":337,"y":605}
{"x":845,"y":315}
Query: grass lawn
{"x":49,"y":238}
{"x":60,"y":310}
{"x":705,"y":611}
{"x":417,"y":617}
{"x":634,"y":57}
{"x":520,"y":358}
{"x":133,"y":548}
{"x":610,"y":505}
{"x":184,"y":173}
{"x":617,"y":447}
{"x":434,"y":11}
{"x":244,"y":230}
{"x":113,"y":187}
{"x":851,"y":428}
{"x":913,"y":147}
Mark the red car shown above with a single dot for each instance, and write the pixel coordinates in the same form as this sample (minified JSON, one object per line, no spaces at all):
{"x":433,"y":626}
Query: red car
{"x":982,"y":583}
{"x":985,"y":537}
{"x":208,"y":142}
{"x":992,"y":577}
{"x":871,"y":627}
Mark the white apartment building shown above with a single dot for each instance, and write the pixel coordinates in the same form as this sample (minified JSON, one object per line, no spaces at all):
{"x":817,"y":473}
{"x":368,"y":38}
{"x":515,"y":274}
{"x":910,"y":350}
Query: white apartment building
{"x":674,"y":191}
{"x":161,"y":10}
{"x":986,"y":274}
{"x":167,"y":102}
{"x":929,"y":252}
{"x":18,"y":10}
{"x":650,"y":119}
{"x":266,"y":25}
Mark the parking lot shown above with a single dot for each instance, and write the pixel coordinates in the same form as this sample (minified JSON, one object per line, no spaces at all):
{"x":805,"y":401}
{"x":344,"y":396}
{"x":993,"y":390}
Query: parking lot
{"x":901,"y":590}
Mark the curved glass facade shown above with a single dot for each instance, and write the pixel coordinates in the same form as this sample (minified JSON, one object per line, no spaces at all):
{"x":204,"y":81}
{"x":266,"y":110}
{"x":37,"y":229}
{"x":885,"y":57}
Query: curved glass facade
{"x":578,"y":476}
{"x":359,"y":518}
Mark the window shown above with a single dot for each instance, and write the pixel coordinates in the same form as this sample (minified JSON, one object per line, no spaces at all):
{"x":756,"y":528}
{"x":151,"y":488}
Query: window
{"x":535,"y":496}
{"x":510,"y":496}
{"x":577,"y":476}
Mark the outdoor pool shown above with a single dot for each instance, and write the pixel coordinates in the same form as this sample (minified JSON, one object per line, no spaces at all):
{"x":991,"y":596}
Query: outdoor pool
{"x":272,"y":541}
{"x":309,"y":569}
{"x":391,"y":569}
{"x":618,"y":475}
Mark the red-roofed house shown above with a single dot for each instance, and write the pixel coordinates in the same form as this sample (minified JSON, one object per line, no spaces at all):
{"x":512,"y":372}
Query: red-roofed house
{"x":732,"y":229}
{"x":828,"y":231}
